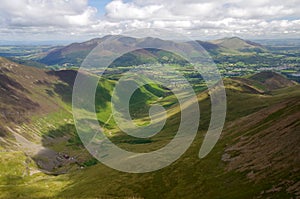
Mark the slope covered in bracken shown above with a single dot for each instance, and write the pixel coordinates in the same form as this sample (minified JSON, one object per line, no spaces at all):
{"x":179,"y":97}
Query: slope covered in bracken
{"x":25,"y":91}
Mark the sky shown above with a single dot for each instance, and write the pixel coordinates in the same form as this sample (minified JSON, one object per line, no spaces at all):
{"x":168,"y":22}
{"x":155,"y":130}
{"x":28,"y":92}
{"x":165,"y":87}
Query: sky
{"x":76,"y":20}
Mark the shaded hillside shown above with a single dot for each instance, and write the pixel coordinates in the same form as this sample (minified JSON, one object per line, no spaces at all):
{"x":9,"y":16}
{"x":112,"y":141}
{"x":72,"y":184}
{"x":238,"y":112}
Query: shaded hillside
{"x":67,"y":76}
{"x":260,"y":83}
{"x":271,"y":80}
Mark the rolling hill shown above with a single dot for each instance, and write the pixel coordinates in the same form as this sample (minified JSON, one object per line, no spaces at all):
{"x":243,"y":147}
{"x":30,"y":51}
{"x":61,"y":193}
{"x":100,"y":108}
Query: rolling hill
{"x":42,"y":156}
{"x":74,"y":54}
{"x":238,"y":44}
{"x":257,"y":156}
{"x":271,"y":80}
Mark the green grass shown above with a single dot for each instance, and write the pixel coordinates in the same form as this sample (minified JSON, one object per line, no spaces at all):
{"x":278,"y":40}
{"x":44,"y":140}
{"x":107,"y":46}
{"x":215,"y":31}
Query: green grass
{"x":188,"y":177}
{"x":18,"y":180}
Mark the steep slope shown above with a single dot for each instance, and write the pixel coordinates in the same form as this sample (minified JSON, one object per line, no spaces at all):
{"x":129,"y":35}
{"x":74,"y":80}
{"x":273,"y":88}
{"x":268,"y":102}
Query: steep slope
{"x":266,"y":148}
{"x":25,"y":91}
{"x":36,"y":113}
{"x":36,"y":118}
{"x":29,"y":108}
{"x":257,"y":156}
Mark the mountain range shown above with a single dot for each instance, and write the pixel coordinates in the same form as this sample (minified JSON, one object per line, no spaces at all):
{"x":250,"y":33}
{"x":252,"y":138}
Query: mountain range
{"x":74,"y":54}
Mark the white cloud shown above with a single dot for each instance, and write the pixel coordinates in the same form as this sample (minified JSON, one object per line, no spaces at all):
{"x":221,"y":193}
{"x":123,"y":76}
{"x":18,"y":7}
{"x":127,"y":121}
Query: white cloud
{"x":199,"y":18}
{"x":82,"y":18}
{"x":120,"y":10}
{"x":46,"y":12}
{"x":216,"y":17}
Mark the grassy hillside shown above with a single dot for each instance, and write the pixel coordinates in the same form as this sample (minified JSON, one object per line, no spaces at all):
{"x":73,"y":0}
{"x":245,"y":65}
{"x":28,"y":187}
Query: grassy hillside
{"x":42,"y":156}
{"x":36,"y":125}
{"x":26,"y":92}
{"x":253,"y":158}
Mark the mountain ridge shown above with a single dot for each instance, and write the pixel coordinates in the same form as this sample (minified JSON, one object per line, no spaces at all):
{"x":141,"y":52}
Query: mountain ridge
{"x":74,"y":53}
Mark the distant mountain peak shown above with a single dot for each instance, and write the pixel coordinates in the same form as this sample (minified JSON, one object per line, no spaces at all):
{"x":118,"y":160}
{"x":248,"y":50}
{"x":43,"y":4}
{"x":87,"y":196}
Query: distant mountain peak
{"x":239,"y":44}
{"x":74,"y":54}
